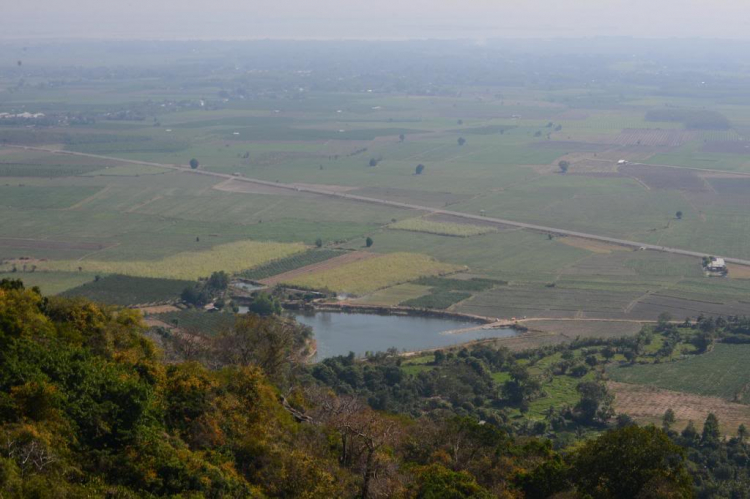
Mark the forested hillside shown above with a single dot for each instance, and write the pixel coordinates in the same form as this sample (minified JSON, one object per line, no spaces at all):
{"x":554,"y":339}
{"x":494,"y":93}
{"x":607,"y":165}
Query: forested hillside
{"x":91,"y":407}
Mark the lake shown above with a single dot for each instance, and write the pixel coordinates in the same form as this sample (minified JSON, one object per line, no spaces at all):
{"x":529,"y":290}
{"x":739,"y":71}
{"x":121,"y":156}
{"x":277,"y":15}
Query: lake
{"x":339,"y":333}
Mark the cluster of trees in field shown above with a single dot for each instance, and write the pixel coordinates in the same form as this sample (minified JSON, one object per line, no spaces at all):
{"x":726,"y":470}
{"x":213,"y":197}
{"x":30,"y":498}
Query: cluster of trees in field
{"x":203,"y":292}
{"x":89,"y":408}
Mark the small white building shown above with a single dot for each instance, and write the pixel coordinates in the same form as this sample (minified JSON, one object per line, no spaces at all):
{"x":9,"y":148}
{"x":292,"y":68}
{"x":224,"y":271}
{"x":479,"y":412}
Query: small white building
{"x":717,"y":265}
{"x":622,"y":162}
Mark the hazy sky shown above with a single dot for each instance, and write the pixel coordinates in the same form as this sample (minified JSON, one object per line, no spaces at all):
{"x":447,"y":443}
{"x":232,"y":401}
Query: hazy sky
{"x":373,"y":19}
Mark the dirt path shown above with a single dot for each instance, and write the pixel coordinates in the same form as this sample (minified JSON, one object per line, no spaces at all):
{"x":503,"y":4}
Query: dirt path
{"x":409,"y":206}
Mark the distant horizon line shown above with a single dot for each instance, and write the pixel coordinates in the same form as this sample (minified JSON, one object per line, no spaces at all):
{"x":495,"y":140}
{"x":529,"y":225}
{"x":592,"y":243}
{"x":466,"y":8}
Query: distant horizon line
{"x":56,"y":38}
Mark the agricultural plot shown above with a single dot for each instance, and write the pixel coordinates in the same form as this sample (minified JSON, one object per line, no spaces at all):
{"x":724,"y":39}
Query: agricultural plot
{"x":43,"y":198}
{"x":692,"y":155}
{"x":504,"y":255}
{"x":738,"y":186}
{"x":548,"y":302}
{"x":46,"y":244}
{"x":585,"y":329}
{"x":446,"y":292}
{"x":441,"y":228}
{"x":590,"y":245}
{"x":126,"y":291}
{"x":371,"y":274}
{"x":414,"y":196}
{"x":12,"y":169}
{"x":684,"y":308}
{"x":233,"y":257}
{"x":723,"y":372}
{"x":650,"y":137}
{"x":343,"y":258}
{"x":648,"y":404}
{"x":727,"y":147}
{"x":394,"y":295}
{"x":50,"y":283}
{"x":288,"y":264}
{"x":437,"y":299}
{"x":656,"y":177}
{"x":128,"y":171}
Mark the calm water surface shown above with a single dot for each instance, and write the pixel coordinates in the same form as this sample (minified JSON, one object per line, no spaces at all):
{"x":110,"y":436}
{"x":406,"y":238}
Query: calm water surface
{"x":339,"y":333}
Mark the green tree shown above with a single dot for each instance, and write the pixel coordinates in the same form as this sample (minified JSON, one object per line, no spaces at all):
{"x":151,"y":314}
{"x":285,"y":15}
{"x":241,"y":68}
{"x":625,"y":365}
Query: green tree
{"x":564,"y":165}
{"x":546,"y":480}
{"x":439,"y":357}
{"x":663,"y":320}
{"x":630,"y":461}
{"x":194,"y":163}
{"x":608,"y":352}
{"x":419,"y":169}
{"x":369,"y":242}
{"x":689,"y":432}
{"x":461,"y":141}
{"x":668,"y":420}
{"x":742,"y":433}
{"x":678,"y":215}
{"x":521,"y":387}
{"x":219,"y":280}
{"x":319,"y":243}
{"x":438,"y":482}
{"x":711,"y":432}
{"x":401,"y":137}
{"x":596,"y":402}
{"x":264,"y":304}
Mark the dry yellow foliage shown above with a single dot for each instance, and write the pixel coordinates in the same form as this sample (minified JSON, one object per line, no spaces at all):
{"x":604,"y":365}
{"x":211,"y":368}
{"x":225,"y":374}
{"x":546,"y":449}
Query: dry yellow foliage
{"x":364,"y":276}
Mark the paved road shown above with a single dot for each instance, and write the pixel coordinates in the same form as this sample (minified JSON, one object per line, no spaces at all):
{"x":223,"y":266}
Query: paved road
{"x":396,"y":204}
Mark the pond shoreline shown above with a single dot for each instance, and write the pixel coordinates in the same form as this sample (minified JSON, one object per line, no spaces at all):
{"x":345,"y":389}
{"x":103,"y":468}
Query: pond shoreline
{"x":340,"y":328}
{"x":388,"y":311}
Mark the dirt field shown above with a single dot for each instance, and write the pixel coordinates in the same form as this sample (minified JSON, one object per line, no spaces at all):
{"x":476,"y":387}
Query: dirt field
{"x":649,"y":404}
{"x":530,"y":340}
{"x":159,"y":309}
{"x":657,"y":177}
{"x":738,"y":271}
{"x":593,"y":246}
{"x":332,"y":263}
{"x":585,"y":329}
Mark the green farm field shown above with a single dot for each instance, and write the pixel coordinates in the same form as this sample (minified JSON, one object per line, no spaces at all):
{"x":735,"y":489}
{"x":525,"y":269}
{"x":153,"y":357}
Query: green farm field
{"x":126,"y":291}
{"x":723,"y":372}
